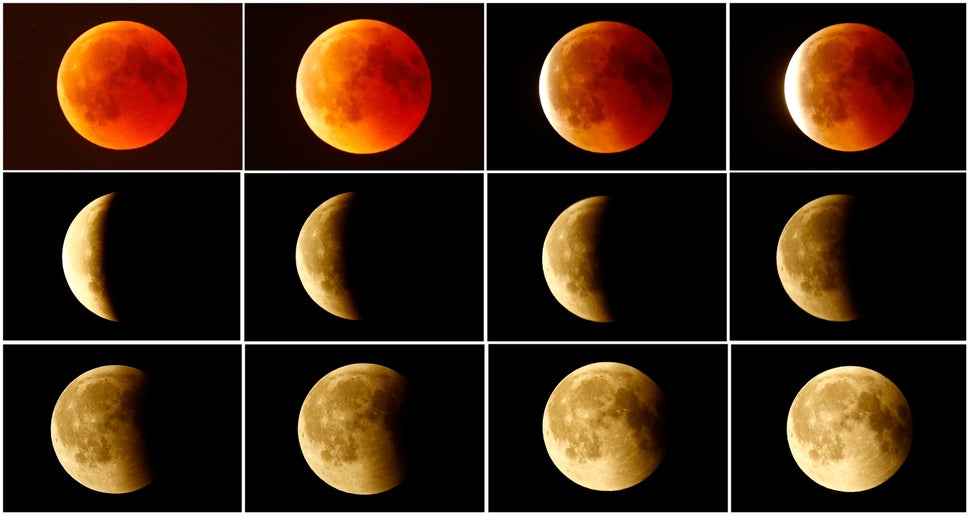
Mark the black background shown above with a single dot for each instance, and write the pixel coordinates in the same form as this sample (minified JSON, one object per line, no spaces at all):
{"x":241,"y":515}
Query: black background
{"x":200,"y":238}
{"x":765,"y":381}
{"x":917,"y":256}
{"x":208,"y":133}
{"x":451,"y":37}
{"x":677,"y":235}
{"x":691,"y":137}
{"x":765,"y":36}
{"x":691,"y":477}
{"x":430,"y":256}
{"x":198,"y":407}
{"x":446,"y":434}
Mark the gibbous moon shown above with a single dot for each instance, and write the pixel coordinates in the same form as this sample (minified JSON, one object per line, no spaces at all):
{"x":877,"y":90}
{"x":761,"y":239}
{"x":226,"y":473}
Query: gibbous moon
{"x":82,"y":257}
{"x":604,"y":426}
{"x":850,"y":429}
{"x":814,"y":262}
{"x":320,"y":257}
{"x":350,"y":428}
{"x":605,"y":87}
{"x":363,"y":86}
{"x":849,"y":87}
{"x":121,"y":85}
{"x":98,"y":430}
{"x":571,"y":260}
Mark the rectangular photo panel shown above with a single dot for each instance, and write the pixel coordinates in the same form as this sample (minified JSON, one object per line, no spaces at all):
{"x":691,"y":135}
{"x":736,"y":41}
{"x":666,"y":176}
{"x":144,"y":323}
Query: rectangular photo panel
{"x":870,"y":428}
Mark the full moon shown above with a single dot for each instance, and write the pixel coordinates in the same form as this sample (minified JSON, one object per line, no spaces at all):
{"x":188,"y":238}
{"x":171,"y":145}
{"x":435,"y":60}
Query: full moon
{"x":350,"y":428}
{"x":571,"y":260}
{"x":849,"y":87}
{"x":321,"y":261}
{"x":363,"y":86}
{"x":605,"y":87}
{"x":813,"y":259}
{"x":121,"y":85}
{"x":82,"y":257}
{"x":604,"y":426}
{"x":98,"y":431}
{"x":850,"y":429}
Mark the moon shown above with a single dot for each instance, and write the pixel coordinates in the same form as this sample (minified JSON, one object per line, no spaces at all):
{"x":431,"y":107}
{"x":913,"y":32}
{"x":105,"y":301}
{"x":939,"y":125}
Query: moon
{"x":350,"y":428}
{"x":604,"y":426}
{"x":121,"y":85}
{"x":321,"y":260}
{"x":605,"y":87}
{"x":363,"y":86}
{"x":849,"y":87}
{"x":850,"y":429}
{"x":98,"y":430}
{"x":82,"y":257}
{"x":813,"y":259}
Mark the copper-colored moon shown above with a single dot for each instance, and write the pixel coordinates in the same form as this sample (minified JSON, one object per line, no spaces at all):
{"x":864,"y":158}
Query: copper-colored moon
{"x":849,"y":87}
{"x":813,"y":262}
{"x":605,"y":87}
{"x":98,"y":430}
{"x":850,"y":429}
{"x":320,"y":259}
{"x":604,"y":426}
{"x":350,"y":428}
{"x":363,"y":86}
{"x":82,"y":257}
{"x":121,"y":85}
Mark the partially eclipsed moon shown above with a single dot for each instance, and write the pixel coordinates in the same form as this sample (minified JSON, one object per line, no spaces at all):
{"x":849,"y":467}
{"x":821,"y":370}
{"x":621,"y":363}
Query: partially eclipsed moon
{"x":320,"y":257}
{"x":82,"y":257}
{"x":850,"y":429}
{"x":849,"y":87}
{"x":350,"y":428}
{"x":605,"y":87}
{"x":98,"y":430}
{"x":604,"y":426}
{"x":121,"y":85}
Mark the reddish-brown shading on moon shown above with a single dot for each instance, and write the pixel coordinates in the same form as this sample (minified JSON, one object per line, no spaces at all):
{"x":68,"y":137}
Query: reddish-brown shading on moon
{"x":121,"y":85}
{"x":849,"y":87}
{"x":363,"y":86}
{"x":605,"y":87}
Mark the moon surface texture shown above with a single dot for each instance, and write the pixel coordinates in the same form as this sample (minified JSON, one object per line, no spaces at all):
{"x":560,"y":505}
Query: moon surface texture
{"x":605,"y":87}
{"x":82,"y":257}
{"x":572,"y":261}
{"x":849,"y":87}
{"x":350,"y":428}
{"x":850,"y":429}
{"x":122,"y":85}
{"x":98,"y":430}
{"x":363,"y":86}
{"x":321,"y":260}
{"x":814,"y":262}
{"x":604,"y":426}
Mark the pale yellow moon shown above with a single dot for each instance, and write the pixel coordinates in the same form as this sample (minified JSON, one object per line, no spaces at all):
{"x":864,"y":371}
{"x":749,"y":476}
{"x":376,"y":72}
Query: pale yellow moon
{"x":850,"y":429}
{"x":571,"y":260}
{"x":98,"y":430}
{"x":350,"y":428}
{"x":320,"y":259}
{"x":604,"y":426}
{"x":812,"y":260}
{"x":82,"y":257}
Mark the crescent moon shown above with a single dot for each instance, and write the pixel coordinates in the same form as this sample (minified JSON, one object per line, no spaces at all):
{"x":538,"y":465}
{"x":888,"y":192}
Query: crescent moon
{"x":320,"y":257}
{"x":82,"y":257}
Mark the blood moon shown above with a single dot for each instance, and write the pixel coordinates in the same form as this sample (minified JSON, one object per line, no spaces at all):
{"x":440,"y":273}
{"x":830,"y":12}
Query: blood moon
{"x":363,"y":86}
{"x":849,"y":87}
{"x":121,"y":85}
{"x":605,"y":87}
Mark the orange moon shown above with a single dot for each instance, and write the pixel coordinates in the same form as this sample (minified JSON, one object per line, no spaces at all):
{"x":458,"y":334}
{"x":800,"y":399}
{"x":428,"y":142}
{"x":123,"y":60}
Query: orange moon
{"x":849,"y":87}
{"x":605,"y":87}
{"x":363,"y":86}
{"x":121,"y":85}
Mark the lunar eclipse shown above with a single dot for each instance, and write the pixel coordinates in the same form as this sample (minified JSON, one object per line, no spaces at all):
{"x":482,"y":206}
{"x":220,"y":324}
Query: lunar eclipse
{"x":320,"y":257}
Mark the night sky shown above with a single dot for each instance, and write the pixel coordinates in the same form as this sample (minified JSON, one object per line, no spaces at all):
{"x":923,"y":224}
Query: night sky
{"x":208,"y":133}
{"x":692,"y":38}
{"x":451,"y":37}
{"x":197,"y":413}
{"x":763,"y":39}
{"x":765,"y":381}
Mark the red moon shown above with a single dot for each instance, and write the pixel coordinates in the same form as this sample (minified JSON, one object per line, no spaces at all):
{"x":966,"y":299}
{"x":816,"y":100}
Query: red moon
{"x":605,"y":87}
{"x":363,"y":86}
{"x":121,"y":85}
{"x":849,"y":87}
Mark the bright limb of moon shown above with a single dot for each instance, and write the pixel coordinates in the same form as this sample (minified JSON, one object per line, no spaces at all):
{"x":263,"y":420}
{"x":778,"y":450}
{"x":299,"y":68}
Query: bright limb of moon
{"x":320,"y":257}
{"x":82,"y":257}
